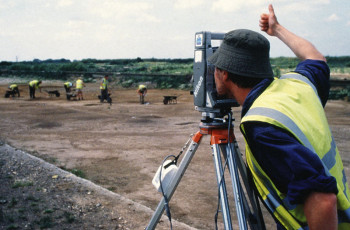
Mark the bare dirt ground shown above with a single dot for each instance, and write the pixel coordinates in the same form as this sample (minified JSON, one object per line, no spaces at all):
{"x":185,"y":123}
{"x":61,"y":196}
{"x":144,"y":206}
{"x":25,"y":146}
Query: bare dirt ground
{"x":119,"y":148}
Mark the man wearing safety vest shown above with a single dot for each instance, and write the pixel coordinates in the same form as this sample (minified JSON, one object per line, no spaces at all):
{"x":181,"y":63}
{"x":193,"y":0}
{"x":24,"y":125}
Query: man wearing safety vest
{"x":33,"y":85}
{"x":79,"y":85}
{"x":142,"y":91}
{"x":68,"y":86}
{"x":290,"y":151}
{"x":104,"y":89}
{"x":14,"y":90}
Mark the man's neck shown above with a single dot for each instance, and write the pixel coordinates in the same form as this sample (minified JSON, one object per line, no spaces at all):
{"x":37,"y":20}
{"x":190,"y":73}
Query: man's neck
{"x":240,"y":94}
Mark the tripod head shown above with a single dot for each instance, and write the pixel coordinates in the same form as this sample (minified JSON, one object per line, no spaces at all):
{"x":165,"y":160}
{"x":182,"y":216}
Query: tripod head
{"x":215,"y":115}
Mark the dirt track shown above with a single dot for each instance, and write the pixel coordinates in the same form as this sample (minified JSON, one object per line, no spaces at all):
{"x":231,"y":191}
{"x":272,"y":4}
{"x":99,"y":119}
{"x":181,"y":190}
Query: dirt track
{"x":121,"y":146}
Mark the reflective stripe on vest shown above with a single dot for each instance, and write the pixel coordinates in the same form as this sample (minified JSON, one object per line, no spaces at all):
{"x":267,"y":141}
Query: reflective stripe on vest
{"x":328,"y":159}
{"x":277,"y":108}
{"x":300,"y":78}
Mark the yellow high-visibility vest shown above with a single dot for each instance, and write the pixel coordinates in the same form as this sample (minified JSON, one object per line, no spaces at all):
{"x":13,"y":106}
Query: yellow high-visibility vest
{"x":12,"y":86}
{"x":142,"y":87}
{"x":104,"y":84}
{"x":34,"y":83}
{"x":79,"y":84}
{"x":280,"y":105}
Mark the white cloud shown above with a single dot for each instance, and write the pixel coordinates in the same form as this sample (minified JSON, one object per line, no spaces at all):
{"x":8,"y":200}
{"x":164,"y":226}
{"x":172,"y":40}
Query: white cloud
{"x":151,"y":28}
{"x":76,"y":24}
{"x":232,"y":6}
{"x":185,"y":4}
{"x":324,"y":2}
{"x":5,"y":5}
{"x":312,"y":2}
{"x":64,"y":3}
{"x":332,"y":17}
{"x":301,"y":6}
{"x":137,"y":10}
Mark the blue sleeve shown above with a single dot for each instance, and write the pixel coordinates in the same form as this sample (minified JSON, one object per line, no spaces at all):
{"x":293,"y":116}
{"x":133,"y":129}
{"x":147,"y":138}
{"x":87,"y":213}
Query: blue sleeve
{"x":293,"y":168}
{"x":318,"y":73}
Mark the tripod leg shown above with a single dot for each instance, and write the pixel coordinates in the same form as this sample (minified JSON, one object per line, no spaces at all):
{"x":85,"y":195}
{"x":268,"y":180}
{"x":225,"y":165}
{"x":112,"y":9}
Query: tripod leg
{"x":222,"y":187}
{"x":252,"y":213}
{"x":237,"y":188}
{"x":255,"y":217}
{"x":174,"y":183}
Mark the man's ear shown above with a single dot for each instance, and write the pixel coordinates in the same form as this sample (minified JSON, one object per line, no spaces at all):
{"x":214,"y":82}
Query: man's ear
{"x":225,"y":75}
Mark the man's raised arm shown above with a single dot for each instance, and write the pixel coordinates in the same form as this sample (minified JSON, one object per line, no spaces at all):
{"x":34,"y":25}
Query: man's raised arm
{"x":302,"y":48}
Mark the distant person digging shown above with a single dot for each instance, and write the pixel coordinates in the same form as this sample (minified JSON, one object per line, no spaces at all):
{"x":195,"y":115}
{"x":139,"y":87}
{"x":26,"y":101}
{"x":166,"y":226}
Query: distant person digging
{"x":142,"y":91}
{"x":105,"y":94}
{"x":68,"y":87}
{"x":33,"y":85}
{"x":12,"y":91}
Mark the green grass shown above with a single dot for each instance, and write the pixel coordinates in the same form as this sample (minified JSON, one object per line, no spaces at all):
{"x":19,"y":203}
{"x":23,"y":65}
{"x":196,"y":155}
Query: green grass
{"x":48,"y":211}
{"x":69,"y":217}
{"x":78,"y":172}
{"x":45,"y":222}
{"x":12,"y":227}
{"x":32,"y":198}
{"x":338,"y":70}
{"x":111,"y":188}
{"x":13,"y":202}
{"x":337,"y":94}
{"x":19,"y":184}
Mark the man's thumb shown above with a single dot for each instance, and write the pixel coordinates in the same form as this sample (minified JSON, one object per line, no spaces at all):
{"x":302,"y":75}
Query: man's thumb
{"x":271,"y":9}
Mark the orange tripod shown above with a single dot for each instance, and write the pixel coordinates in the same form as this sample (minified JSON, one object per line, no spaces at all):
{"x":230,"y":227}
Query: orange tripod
{"x":223,"y":144}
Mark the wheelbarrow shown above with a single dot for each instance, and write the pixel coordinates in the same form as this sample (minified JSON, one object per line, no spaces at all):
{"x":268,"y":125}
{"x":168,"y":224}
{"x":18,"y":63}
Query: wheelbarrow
{"x":53,"y":93}
{"x":169,"y":100}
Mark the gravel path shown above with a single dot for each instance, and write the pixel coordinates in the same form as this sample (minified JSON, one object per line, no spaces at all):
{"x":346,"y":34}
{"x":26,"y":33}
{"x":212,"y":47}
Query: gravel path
{"x":37,"y":195}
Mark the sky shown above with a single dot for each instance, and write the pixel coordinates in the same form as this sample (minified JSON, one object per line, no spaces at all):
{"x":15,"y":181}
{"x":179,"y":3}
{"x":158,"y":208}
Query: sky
{"x":117,"y":29}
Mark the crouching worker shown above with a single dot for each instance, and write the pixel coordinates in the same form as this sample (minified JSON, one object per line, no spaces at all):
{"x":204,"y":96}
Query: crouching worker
{"x":294,"y":161}
{"x":13,"y":90}
{"x":68,"y":86}
{"x":33,"y":85}
{"x":142,"y":91}
{"x":105,"y":95}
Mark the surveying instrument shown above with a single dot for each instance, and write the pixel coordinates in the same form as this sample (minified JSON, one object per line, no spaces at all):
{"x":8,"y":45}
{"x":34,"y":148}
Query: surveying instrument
{"x":217,"y":122}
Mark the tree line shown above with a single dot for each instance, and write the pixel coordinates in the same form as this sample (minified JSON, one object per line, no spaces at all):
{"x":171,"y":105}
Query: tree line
{"x":164,"y":73}
{"x":125,"y":65}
